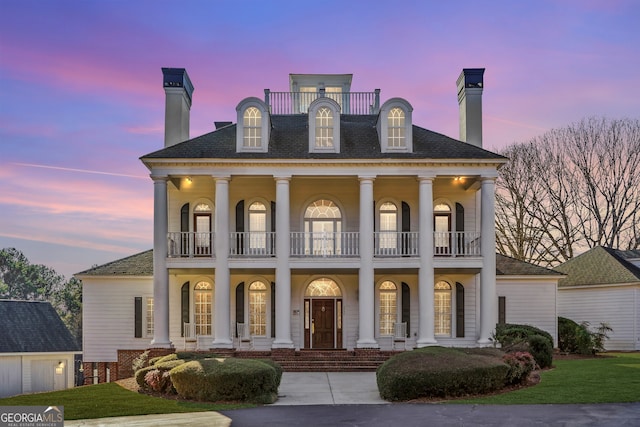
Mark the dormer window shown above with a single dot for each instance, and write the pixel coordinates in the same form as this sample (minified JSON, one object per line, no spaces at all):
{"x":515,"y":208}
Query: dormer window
{"x":324,"y":126}
{"x":395,"y":129}
{"x":253,"y":126}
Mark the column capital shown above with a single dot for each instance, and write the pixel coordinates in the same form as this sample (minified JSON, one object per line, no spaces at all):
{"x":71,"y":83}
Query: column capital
{"x":366,"y":178}
{"x":159,"y":177}
{"x":485,"y":178}
{"x":423,"y":178}
{"x":221,"y":178}
{"x":282,"y":178}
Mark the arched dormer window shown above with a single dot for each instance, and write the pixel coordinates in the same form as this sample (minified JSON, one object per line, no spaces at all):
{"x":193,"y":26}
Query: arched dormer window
{"x":324,"y":126}
{"x":253,"y":126}
{"x":395,"y":127}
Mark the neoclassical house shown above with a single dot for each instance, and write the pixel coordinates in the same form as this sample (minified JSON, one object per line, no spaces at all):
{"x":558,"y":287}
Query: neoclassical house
{"x":321,"y":219}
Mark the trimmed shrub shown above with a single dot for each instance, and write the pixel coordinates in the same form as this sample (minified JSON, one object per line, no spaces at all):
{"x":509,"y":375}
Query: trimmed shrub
{"x":439,"y":372}
{"x":160,"y":366}
{"x":140,"y":375}
{"x":161,"y":359}
{"x":578,"y":338}
{"x":539,"y":343}
{"x":275,"y":366}
{"x":521,"y":364}
{"x":194,"y":355}
{"x":541,"y":350}
{"x":226,"y":380}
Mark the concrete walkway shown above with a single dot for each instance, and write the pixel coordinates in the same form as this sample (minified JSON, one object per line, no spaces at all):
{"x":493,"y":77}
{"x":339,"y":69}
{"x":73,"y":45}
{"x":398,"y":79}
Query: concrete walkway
{"x":296,"y":388}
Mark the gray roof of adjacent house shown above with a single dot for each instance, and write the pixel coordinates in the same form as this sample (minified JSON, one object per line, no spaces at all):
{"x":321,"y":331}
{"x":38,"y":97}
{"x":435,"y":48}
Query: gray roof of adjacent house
{"x":140,"y":264}
{"x":507,"y":266}
{"x":290,"y":133}
{"x":33,"y":327}
{"x":600,"y":266}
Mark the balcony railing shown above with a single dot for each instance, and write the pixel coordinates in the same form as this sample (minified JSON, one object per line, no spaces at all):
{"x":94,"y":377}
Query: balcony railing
{"x":325,"y":244}
{"x":251,"y":243}
{"x":359,"y":103}
{"x":456,"y":243}
{"x":190,"y":244}
{"x":392,"y":243}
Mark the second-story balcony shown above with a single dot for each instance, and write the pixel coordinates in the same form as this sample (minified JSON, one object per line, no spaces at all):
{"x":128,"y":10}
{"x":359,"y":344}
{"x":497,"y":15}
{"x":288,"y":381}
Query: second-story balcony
{"x":323,"y":244}
{"x":359,"y":103}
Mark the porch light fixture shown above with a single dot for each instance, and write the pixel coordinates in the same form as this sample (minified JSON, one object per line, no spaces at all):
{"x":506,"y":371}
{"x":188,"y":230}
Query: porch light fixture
{"x":189,"y":180}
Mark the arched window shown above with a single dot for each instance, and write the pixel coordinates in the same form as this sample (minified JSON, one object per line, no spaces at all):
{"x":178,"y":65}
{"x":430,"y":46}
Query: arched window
{"x":388,"y":307}
{"x":323,"y":288}
{"x":388,"y":228}
{"x":442,"y":307}
{"x":396,"y":128}
{"x":252,"y":125}
{"x":324,"y":128}
{"x":323,"y":227}
{"x":258,"y":309}
{"x":202,"y":296}
{"x":257,"y":227}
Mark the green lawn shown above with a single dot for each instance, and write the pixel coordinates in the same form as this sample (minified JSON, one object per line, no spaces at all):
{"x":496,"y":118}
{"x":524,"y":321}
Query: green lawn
{"x":109,"y":400}
{"x":599,"y":380}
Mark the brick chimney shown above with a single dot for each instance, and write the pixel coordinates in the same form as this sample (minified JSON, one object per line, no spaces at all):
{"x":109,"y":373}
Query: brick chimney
{"x":470,"y":85}
{"x":178,"y":90}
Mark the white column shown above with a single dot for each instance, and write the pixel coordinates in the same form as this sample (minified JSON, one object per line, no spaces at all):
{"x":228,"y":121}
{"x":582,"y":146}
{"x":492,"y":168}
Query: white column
{"x":283,"y":272}
{"x":488,"y":294}
{"x":222,"y":312}
{"x":160,"y":272}
{"x":426,"y":284}
{"x":366,"y":285}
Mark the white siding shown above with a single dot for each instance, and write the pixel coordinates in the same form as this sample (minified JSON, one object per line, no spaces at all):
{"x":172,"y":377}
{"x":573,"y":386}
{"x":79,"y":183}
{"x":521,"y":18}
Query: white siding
{"x":616,"y":305}
{"x":108,"y":316}
{"x":530,"y":302}
{"x":10,"y":375}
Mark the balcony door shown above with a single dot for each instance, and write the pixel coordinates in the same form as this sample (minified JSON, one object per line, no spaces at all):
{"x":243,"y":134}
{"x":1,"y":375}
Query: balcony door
{"x":323,"y":226}
{"x":202,"y":229}
{"x":442,"y":229}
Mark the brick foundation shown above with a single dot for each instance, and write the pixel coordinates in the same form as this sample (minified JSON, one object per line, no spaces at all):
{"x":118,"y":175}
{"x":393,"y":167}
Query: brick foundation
{"x":126,"y":358}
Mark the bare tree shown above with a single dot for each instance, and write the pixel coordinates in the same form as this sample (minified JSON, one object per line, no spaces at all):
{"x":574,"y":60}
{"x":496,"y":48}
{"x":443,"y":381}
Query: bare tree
{"x":570,"y":189}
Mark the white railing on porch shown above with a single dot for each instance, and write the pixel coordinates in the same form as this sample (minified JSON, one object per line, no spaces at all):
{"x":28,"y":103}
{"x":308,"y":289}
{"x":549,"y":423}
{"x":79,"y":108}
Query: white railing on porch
{"x":190,"y":244}
{"x":456,"y":243}
{"x":393,"y":243}
{"x":252,"y":243}
{"x":298,"y":102}
{"x":325,"y":244}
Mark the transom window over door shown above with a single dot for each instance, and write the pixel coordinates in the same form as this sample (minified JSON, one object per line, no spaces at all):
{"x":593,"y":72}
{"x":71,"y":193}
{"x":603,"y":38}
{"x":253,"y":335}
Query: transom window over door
{"x":396,"y":128}
{"x":257,"y":227}
{"x":251,"y":123}
{"x":202,"y":296}
{"x":324,"y":128}
{"x":322,"y":226}
{"x":442,"y":307}
{"x":258,"y":309}
{"x":388,"y":307}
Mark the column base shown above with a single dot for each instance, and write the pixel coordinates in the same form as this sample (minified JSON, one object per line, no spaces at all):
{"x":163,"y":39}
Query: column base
{"x":287,"y":344}
{"x":160,"y":344}
{"x":367,"y":344}
{"x":222,"y":343}
{"x":429,"y":342}
{"x":485,"y":342}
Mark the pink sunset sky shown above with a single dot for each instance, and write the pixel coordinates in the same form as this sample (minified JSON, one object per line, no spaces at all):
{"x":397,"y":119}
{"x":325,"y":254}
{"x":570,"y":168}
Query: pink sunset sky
{"x":82,"y":96}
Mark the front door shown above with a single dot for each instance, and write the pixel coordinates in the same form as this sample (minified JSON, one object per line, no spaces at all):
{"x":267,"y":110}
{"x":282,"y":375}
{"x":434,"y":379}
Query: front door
{"x":322,"y":323}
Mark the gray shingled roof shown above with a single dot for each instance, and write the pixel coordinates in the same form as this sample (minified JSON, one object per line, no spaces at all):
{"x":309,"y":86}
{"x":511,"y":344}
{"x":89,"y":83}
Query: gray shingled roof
{"x":290,"y":133}
{"x":599,"y":266}
{"x":33,"y":327}
{"x":507,"y":266}
{"x":140,"y":264}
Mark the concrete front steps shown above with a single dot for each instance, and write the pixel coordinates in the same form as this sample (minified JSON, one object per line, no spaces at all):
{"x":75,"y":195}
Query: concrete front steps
{"x":358,"y":360}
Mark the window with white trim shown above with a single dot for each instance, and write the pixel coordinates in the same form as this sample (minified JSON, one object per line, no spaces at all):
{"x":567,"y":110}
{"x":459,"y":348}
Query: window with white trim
{"x":388,"y":307}
{"x":442,"y":302}
{"x":252,"y":124}
{"x":202,"y":298}
{"x":396,"y":128}
{"x":388,"y":227}
{"x":149,"y":317}
{"x":257,"y":227}
{"x":258,"y":309}
{"x":324,"y":128}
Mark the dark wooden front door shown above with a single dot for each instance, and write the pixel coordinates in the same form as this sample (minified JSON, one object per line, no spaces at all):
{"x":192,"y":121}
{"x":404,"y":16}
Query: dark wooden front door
{"x":322,"y":319}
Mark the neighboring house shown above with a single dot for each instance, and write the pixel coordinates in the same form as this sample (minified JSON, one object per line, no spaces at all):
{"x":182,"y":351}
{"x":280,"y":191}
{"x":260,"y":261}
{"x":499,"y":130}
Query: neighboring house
{"x":36,"y":349}
{"x":527,"y":294}
{"x":119,"y":293}
{"x":603,"y":285}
